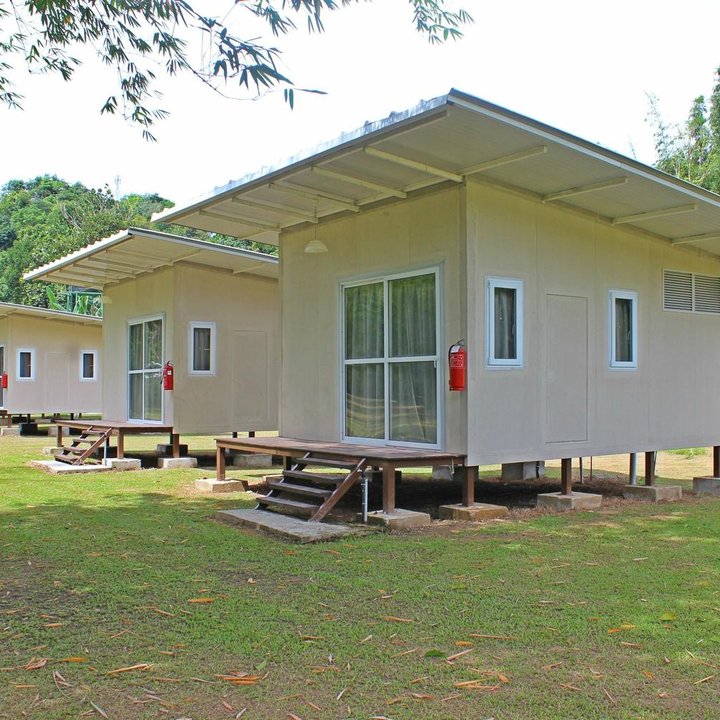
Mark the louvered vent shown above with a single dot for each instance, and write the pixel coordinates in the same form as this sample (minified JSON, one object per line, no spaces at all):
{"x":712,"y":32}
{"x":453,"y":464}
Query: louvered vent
{"x":707,"y":294}
{"x":677,"y":290}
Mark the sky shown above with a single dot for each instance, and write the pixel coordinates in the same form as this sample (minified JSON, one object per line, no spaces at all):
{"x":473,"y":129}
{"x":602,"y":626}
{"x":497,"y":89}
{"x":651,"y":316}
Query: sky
{"x":586,"y":68}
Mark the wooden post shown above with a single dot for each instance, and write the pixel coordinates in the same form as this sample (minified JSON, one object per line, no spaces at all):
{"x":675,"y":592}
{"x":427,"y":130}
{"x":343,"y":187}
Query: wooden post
{"x":650,"y":468}
{"x":716,"y":461}
{"x":287,"y":462}
{"x":471,"y":472}
{"x":633,"y":468}
{"x":566,"y":476}
{"x":388,"y":489}
{"x":220,"y":462}
{"x":121,"y":445}
{"x":59,"y":435}
{"x":175,"y":442}
{"x":251,"y":434}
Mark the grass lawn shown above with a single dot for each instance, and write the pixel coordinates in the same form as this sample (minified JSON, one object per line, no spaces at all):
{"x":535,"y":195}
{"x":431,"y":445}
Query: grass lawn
{"x":121,"y":598}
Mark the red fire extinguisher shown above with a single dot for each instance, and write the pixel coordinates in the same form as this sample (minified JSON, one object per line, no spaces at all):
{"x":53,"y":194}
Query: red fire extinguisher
{"x":4,"y":381}
{"x":167,"y":376}
{"x":457,"y":362}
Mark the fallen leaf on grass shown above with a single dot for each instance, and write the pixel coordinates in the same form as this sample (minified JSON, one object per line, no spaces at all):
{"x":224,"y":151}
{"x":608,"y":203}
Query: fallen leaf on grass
{"x":20,"y":686}
{"x":570,"y":687}
{"x":99,"y":710}
{"x":241,"y":678}
{"x":624,"y":626}
{"x":421,"y":696}
{"x":551,"y":666}
{"x":157,"y":610}
{"x":648,"y":674}
{"x":405,"y":652}
{"x":610,"y":697}
{"x":201,"y":600}
{"x":704,"y":680}
{"x":631,"y":645}
{"x":54,"y":625}
{"x":35,"y":664}
{"x":319,"y":669}
{"x":463,"y":643}
{"x":475,"y":685}
{"x":307,"y":638}
{"x":227,"y":706}
{"x":450,"y":658}
{"x":492,"y":637}
{"x":74,"y":660}
{"x":130,"y":668}
{"x":293,"y":716}
{"x":394,"y":618}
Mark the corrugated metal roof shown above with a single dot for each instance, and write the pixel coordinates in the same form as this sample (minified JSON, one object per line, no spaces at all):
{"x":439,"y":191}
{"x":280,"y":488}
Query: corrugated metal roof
{"x":446,"y":140}
{"x":137,"y":251}
{"x":28,"y":310}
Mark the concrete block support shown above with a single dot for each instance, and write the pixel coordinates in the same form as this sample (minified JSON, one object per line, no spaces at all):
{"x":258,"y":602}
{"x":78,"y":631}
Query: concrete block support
{"x":473,"y":513}
{"x":124,"y":464}
{"x":51,"y":450}
{"x":653,"y":493}
{"x":212,"y":485}
{"x":706,"y":485}
{"x":512,"y":472}
{"x":167,"y":449}
{"x":177,"y":463}
{"x":251,"y":460}
{"x":571,"y":501}
{"x":10,"y":431}
{"x":399,"y":520}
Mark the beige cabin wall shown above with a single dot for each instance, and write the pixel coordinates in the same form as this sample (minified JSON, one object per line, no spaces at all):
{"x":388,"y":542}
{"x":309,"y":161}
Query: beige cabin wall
{"x":243,"y":393}
{"x":569,"y":260}
{"x":56,"y":345}
{"x":147,"y":295}
{"x":418,"y":233}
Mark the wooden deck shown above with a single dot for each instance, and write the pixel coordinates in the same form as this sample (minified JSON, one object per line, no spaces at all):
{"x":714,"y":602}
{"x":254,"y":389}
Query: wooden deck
{"x":120,"y":430}
{"x":382,"y":457}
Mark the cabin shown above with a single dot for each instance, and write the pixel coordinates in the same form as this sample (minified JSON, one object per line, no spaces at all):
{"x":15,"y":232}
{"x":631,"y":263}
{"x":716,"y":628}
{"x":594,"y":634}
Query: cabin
{"x":204,"y":313}
{"x":583,"y":285}
{"x":50,"y":363}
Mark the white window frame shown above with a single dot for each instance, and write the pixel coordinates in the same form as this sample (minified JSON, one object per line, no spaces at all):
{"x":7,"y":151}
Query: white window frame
{"x":82,"y":365}
{"x":624,"y":295}
{"x":191,"y":350}
{"x":491,"y":284}
{"x":386,"y":360}
{"x":18,"y":365}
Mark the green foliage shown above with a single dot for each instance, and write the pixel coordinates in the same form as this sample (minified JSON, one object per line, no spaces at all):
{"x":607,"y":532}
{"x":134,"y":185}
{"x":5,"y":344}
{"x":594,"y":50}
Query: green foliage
{"x":135,"y":38}
{"x":46,"y":218}
{"x":691,"y":151}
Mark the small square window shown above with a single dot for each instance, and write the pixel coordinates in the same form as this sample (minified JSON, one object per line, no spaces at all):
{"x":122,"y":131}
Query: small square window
{"x":88,"y":365}
{"x":201,"y":348}
{"x":25,"y":365}
{"x":504,"y":314}
{"x":623,"y":329}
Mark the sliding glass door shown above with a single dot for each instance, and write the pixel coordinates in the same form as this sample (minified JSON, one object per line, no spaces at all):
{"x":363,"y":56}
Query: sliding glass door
{"x":145,"y":352}
{"x":391,"y":361}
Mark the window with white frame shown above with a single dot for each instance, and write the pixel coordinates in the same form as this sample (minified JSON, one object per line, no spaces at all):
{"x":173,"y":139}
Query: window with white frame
{"x":623,"y":329}
{"x":25,"y":364}
{"x":88,"y":366}
{"x":201,"y":351}
{"x":504,"y":322}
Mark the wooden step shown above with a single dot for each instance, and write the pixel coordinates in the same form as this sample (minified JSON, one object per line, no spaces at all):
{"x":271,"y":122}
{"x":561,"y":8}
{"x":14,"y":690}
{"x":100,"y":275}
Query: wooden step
{"x":282,"y":486}
{"x":325,"y":462}
{"x":78,"y":440}
{"x":306,"y":508}
{"x":314,"y":477}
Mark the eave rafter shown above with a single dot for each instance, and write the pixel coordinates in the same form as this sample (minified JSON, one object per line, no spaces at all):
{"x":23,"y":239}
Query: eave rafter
{"x":316,"y":195}
{"x":505,"y":160}
{"x":362,"y":182}
{"x":652,"y":214}
{"x":413,"y":164}
{"x":696,"y":238}
{"x":239,"y":219}
{"x":584,"y":189}
{"x":275,"y":208}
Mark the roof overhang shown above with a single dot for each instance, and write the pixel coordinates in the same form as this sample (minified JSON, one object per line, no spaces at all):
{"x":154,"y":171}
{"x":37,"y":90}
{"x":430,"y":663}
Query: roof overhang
{"x":7,"y":309}
{"x":137,"y":251}
{"x":447,"y":140}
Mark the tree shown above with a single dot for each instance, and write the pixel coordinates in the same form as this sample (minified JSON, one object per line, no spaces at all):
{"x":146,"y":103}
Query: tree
{"x":46,"y":218}
{"x":691,"y":151}
{"x":136,"y":36}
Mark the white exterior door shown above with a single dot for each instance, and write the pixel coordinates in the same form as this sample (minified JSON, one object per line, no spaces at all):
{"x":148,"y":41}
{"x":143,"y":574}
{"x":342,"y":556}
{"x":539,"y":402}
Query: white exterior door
{"x":145,"y":353}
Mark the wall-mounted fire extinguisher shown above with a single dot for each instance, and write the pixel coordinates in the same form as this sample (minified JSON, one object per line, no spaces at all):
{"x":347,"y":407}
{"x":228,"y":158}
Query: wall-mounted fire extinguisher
{"x":4,"y":381}
{"x":457,"y":362}
{"x":168,"y":378}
